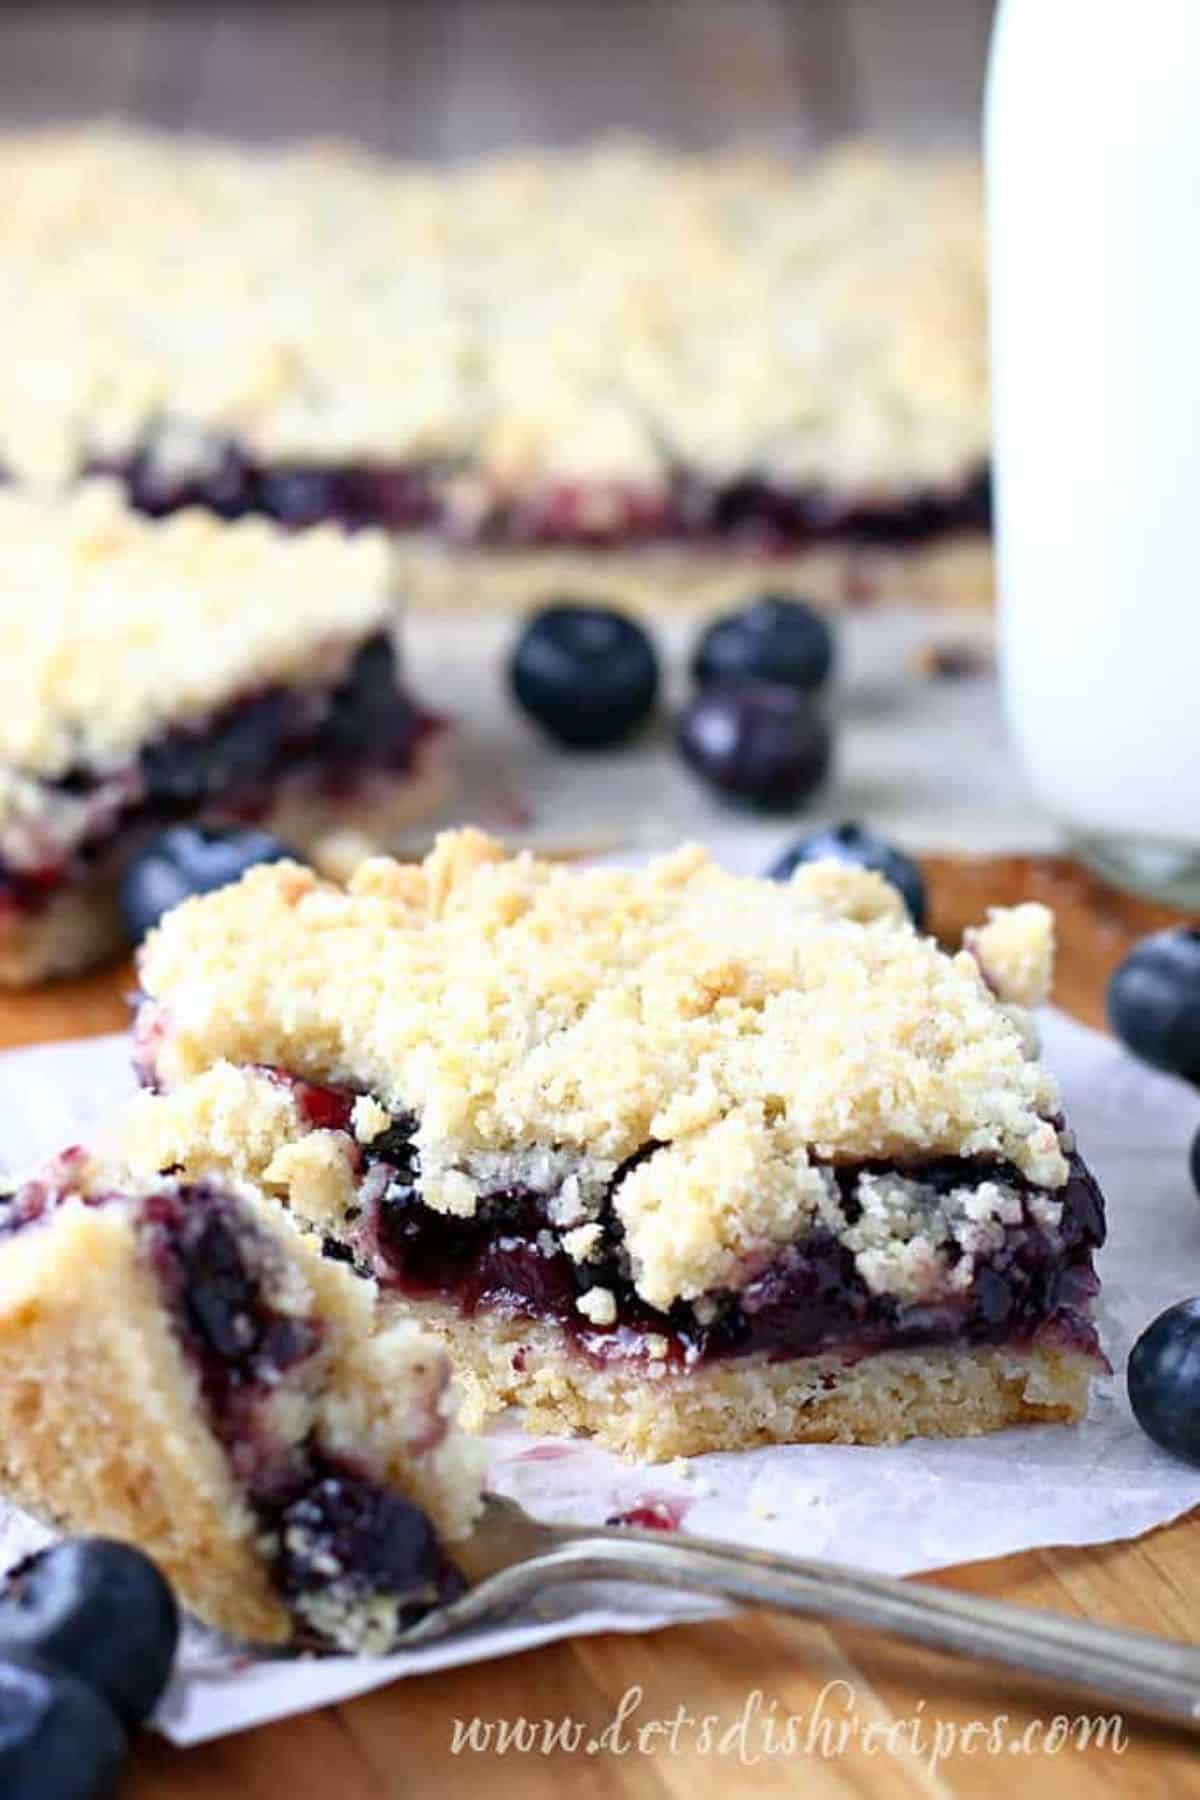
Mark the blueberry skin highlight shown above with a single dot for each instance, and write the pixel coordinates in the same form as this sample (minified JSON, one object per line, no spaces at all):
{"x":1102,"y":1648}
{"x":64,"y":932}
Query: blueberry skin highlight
{"x":854,"y":844}
{"x":187,"y":860}
{"x":1163,"y":1380}
{"x":298,"y":495}
{"x":757,"y":743}
{"x":99,"y":1610}
{"x":59,"y":1740}
{"x":588,"y":675}
{"x":778,"y":638}
{"x":1154,"y":1000}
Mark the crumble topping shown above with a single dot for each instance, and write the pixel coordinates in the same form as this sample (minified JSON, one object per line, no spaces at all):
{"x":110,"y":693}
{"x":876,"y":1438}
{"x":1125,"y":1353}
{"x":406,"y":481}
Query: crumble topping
{"x":115,"y":627}
{"x":602,"y":315}
{"x":847,"y":892}
{"x":1015,"y":950}
{"x":908,"y":1236}
{"x":369,"y":1119}
{"x":583,"y":1242}
{"x":542,"y":1025}
{"x":252,"y":1130}
{"x":598,"y":1305}
{"x":714,"y":1205}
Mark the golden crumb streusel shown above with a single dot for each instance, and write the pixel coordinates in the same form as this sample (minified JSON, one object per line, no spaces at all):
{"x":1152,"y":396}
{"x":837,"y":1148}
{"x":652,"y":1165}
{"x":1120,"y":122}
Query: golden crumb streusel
{"x":748,"y":1029}
{"x":1015,"y":950}
{"x":115,"y":627}
{"x":605,"y":314}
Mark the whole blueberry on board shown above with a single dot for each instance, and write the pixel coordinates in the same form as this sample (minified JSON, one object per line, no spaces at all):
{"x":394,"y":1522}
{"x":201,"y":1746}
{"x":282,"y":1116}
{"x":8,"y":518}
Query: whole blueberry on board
{"x":187,"y":860}
{"x":1163,"y":1379}
{"x":852,"y":843}
{"x":99,"y":1610}
{"x":1154,"y":1000}
{"x":589,"y":675}
{"x":756,"y":742}
{"x":777,"y":638}
{"x":59,"y":1740}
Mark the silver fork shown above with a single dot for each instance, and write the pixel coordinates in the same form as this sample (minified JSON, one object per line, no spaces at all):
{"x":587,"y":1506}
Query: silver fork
{"x":512,"y":1559}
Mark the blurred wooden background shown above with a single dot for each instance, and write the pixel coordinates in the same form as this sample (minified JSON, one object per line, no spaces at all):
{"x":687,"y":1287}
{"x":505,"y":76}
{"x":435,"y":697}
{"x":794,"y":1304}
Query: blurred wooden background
{"x":437,"y":78}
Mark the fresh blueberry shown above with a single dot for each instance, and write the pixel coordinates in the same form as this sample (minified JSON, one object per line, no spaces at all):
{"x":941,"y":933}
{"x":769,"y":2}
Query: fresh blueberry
{"x":1154,"y":1000}
{"x":221,"y":1295}
{"x":228,"y":488}
{"x":1196,"y":1161}
{"x":367,"y":1538}
{"x":59,"y":1740}
{"x":226,"y":485}
{"x":101,"y":1611}
{"x":776,"y":639}
{"x":187,"y":860}
{"x":756,"y":742}
{"x":850,"y":843}
{"x":587,"y":674}
{"x":1164,"y":1380}
{"x":299,"y":495}
{"x":155,"y":490}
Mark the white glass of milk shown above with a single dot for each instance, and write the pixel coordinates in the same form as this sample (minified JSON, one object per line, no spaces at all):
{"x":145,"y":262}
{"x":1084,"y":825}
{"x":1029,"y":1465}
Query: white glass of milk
{"x":1093,"y":161}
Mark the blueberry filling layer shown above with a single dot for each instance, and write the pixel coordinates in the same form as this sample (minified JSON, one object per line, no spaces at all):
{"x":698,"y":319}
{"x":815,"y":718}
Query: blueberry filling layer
{"x":242,"y":1348}
{"x":456,"y":502}
{"x":1033,"y":1283}
{"x":339,"y":1540}
{"x":810,"y":1298}
{"x":345,"y":1542}
{"x":330,"y":739}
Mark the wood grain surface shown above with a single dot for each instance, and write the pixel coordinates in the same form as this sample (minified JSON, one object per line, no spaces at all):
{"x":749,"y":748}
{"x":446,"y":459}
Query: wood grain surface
{"x":448,"y":78}
{"x":398,"y":1742}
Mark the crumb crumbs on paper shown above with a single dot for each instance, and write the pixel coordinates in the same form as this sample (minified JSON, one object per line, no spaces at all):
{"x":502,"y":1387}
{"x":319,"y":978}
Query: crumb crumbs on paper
{"x":762,"y":1503}
{"x":682,"y":1470}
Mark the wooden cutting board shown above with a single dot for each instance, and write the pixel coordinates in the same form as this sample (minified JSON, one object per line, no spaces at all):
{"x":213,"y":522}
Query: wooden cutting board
{"x":399,"y":1741}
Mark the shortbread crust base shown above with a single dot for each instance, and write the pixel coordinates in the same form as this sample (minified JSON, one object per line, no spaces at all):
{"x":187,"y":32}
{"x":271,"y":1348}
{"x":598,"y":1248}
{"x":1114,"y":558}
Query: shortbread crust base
{"x":102,"y":1431}
{"x":77,"y":927}
{"x":102,"y":1427}
{"x":952,"y":571}
{"x":749,"y":1401}
{"x":80,"y":924}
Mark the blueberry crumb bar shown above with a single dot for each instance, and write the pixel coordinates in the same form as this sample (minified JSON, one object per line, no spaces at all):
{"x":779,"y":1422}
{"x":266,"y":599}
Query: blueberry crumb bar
{"x":184,"y":669}
{"x":617,"y":367}
{"x":181,"y":1368}
{"x":684,"y":1161}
